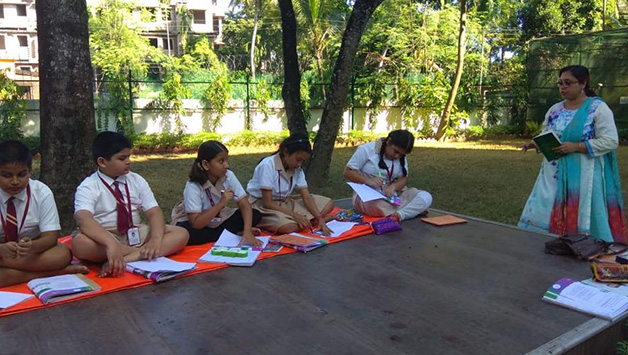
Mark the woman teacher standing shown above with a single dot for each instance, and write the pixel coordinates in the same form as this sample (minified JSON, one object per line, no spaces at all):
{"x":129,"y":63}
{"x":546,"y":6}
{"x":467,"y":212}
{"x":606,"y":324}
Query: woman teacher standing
{"x":580,"y":192}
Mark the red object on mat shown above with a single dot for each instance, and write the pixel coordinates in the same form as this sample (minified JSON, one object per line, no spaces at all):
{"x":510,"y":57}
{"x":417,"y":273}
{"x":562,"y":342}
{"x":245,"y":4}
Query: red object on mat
{"x":188,"y":254}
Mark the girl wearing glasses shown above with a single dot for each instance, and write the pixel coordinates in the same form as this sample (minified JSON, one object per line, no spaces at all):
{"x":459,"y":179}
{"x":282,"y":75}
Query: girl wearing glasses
{"x":580,"y":192}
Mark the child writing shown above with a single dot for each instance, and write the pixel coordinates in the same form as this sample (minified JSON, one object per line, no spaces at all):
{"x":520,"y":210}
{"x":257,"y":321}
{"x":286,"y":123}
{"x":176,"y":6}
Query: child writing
{"x":382,"y":165}
{"x":203,"y":211}
{"x":274,"y":180}
{"x":30,"y":223}
{"x":107,"y":211}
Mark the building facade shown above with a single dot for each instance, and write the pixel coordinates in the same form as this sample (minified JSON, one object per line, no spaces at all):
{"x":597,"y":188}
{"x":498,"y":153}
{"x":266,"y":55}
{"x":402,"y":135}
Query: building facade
{"x":19,"y":53}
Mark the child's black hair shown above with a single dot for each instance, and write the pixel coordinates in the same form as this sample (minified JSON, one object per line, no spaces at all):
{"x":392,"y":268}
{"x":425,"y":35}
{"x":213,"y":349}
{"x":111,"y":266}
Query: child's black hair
{"x":206,"y":151}
{"x":402,"y":139}
{"x":106,"y":144}
{"x":296,"y":142}
{"x":15,"y":152}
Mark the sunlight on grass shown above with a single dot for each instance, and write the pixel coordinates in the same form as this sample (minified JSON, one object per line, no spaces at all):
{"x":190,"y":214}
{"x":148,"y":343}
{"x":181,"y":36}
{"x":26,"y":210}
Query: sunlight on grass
{"x":486,"y":179}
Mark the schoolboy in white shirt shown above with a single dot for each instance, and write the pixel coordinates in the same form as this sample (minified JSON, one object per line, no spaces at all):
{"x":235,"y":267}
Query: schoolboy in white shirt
{"x":30,"y":222}
{"x":107,"y":207}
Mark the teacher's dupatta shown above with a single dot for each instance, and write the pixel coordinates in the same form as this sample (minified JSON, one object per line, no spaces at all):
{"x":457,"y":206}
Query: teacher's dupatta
{"x":565,"y":212}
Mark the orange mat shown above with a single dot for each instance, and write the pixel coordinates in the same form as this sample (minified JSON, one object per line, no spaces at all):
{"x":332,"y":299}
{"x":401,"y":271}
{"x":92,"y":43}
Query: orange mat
{"x":188,"y":254}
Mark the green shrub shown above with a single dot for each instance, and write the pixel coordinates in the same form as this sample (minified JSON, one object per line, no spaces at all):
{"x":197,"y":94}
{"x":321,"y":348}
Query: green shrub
{"x":533,"y":128}
{"x":623,"y":133}
{"x":33,"y":143}
{"x":192,"y":141}
{"x":500,"y":131}
{"x":472,"y":133}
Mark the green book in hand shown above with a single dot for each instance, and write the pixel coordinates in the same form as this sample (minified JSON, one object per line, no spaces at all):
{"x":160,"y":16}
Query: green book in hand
{"x":546,"y":142}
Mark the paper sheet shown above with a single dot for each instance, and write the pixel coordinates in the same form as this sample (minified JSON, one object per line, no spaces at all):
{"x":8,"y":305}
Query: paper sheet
{"x":8,"y":299}
{"x":339,"y":227}
{"x":161,"y":264}
{"x":228,"y":239}
{"x":366,"y":192}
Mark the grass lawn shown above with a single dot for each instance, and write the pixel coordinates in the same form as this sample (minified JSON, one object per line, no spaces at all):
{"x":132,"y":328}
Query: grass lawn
{"x":487,"y":179}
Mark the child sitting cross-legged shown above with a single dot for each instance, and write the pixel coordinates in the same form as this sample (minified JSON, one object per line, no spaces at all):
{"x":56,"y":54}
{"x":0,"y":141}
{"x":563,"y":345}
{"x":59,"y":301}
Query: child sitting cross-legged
{"x":107,"y":212}
{"x":30,"y":222}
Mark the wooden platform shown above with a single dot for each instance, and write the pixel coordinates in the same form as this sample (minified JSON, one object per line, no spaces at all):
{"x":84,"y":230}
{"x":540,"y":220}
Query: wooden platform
{"x":466,"y":289}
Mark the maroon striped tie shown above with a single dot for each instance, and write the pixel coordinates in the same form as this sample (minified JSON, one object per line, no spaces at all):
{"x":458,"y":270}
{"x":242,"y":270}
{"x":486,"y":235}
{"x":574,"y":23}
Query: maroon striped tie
{"x":123,"y":213}
{"x":11,"y":221}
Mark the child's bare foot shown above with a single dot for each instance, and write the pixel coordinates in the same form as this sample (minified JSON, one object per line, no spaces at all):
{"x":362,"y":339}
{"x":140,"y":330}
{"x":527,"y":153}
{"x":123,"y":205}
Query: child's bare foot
{"x":75,"y":269}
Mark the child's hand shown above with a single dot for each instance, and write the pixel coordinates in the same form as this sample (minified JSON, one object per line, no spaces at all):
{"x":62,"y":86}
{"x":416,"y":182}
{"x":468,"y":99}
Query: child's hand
{"x":302,"y":221}
{"x":389,"y":191}
{"x":249,"y":239}
{"x":226,"y":197}
{"x":8,"y":250}
{"x":530,"y":145}
{"x":375,"y":182}
{"x":323,"y":228}
{"x":115,"y":264}
{"x":24,"y":247}
{"x":150,"y":250}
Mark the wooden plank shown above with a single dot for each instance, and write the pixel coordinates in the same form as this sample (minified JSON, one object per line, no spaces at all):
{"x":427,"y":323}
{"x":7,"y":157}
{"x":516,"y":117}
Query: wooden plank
{"x":473,"y":288}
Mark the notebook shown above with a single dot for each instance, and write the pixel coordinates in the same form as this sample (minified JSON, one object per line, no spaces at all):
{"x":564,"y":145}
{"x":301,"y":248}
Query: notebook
{"x":443,"y":220}
{"x":10,"y":299}
{"x":160,"y":269}
{"x":546,"y":142}
{"x":62,"y":287}
{"x":298,"y":241}
{"x":227,"y":250}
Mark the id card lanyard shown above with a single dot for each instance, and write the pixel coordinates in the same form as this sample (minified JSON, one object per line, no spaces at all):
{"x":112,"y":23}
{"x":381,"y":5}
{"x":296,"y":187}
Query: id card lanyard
{"x":211,"y":198}
{"x":28,"y":203}
{"x":118,"y":200}
{"x":390,"y":171}
{"x":279,"y":186}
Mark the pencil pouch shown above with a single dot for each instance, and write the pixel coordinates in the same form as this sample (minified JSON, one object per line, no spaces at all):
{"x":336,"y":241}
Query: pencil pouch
{"x":610,"y":272}
{"x":385,"y":225}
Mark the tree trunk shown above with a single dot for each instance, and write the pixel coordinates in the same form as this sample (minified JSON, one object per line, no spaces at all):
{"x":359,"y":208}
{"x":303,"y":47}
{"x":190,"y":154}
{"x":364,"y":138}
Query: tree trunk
{"x":66,"y":99}
{"x":444,"y":120}
{"x":253,"y":38}
{"x":318,"y":170}
{"x":321,"y":74}
{"x":291,"y":91}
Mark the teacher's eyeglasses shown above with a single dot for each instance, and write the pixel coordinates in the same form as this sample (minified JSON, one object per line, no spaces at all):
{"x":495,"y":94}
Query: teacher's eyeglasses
{"x":565,"y":84}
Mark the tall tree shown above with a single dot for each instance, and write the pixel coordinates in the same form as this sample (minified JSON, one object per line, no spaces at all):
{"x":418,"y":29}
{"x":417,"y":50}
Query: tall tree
{"x":66,"y":99}
{"x":291,"y":91}
{"x":444,"y":120}
{"x":318,"y":170}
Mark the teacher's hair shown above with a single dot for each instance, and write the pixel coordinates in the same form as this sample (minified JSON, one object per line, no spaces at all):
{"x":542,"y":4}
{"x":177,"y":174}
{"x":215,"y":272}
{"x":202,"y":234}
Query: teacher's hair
{"x":582,"y":74}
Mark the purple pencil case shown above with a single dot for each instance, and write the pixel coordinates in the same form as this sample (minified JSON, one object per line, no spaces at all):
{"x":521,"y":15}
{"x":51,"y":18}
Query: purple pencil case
{"x":385,"y":225}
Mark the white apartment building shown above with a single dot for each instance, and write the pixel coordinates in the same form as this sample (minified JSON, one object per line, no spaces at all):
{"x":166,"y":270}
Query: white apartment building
{"x":18,"y":32}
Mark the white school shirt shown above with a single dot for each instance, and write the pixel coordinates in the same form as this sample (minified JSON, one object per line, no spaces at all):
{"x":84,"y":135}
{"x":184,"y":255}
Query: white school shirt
{"x":270,"y":175}
{"x":92,"y":195}
{"x":196,"y":199}
{"x":366,"y":161}
{"x":42,"y":211}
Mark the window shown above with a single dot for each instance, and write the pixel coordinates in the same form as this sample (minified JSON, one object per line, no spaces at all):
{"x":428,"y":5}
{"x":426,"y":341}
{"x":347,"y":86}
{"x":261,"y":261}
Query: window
{"x":153,"y":42}
{"x":216,"y":25}
{"x":21,"y":10}
{"x":23,"y":40}
{"x":168,"y":44}
{"x":1,"y":11}
{"x":199,"y":16}
{"x":2,"y":45}
{"x":25,"y":69}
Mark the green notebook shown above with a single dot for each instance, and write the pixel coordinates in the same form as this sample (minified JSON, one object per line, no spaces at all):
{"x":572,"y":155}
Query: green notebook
{"x":546,"y":142}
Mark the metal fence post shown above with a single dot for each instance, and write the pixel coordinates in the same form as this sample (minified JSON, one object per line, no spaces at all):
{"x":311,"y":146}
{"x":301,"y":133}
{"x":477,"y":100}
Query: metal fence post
{"x":130,"y":96}
{"x":247,"y":121}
